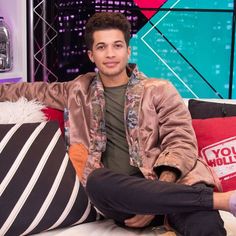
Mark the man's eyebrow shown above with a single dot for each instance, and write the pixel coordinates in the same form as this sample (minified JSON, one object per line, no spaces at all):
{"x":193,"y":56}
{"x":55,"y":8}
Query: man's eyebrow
{"x":99,"y":43}
{"x":103,"y":43}
{"x":119,"y":41}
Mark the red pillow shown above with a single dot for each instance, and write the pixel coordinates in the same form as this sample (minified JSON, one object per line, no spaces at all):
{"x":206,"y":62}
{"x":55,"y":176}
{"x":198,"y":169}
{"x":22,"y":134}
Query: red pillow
{"x":54,"y":114}
{"x":217,"y":146}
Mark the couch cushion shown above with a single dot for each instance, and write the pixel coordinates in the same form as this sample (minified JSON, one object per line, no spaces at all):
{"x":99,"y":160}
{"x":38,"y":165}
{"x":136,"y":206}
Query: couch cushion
{"x":205,"y":109}
{"x":39,"y":189}
{"x":217,"y":145}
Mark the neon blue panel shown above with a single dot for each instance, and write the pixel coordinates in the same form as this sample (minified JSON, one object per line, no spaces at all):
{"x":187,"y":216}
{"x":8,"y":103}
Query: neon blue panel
{"x":191,"y":49}
{"x":201,"y":4}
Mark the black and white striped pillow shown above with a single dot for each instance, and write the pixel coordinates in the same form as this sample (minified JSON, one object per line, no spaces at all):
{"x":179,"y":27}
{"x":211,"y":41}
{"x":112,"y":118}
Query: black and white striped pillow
{"x":39,"y":189}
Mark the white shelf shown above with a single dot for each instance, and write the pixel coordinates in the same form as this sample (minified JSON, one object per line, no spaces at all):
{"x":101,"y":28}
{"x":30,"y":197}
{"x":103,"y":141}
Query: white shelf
{"x":14,"y":13}
{"x":11,"y":75}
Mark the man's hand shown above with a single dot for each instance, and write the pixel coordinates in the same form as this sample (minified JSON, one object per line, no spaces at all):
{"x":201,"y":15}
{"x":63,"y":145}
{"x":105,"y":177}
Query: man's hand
{"x":139,"y":221}
{"x":168,"y":176}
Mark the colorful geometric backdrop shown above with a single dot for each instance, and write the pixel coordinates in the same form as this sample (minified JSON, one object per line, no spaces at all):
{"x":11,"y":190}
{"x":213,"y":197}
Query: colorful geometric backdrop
{"x":189,"y":42}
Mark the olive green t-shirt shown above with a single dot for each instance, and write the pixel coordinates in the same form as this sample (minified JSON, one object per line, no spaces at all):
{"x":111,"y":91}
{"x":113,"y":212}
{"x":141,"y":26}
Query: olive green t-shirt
{"x":116,"y":155}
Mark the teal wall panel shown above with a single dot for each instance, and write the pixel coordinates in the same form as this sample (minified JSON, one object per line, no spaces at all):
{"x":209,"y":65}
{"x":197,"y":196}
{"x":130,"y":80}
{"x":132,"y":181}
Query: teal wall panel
{"x":188,"y":43}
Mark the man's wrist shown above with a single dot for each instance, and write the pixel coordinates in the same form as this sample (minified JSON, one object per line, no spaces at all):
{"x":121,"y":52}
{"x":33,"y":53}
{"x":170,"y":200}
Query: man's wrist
{"x":167,"y":170}
{"x":168,"y":176}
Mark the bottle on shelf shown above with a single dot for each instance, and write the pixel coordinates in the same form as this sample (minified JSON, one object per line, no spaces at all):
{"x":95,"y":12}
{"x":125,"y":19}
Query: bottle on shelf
{"x":5,"y":47}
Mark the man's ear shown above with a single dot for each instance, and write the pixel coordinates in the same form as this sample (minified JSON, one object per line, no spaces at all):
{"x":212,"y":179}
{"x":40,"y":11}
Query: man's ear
{"x":129,"y":52}
{"x":90,"y":55}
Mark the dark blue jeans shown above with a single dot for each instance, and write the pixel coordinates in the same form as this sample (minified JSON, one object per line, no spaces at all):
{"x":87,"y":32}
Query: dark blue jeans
{"x":189,"y":208}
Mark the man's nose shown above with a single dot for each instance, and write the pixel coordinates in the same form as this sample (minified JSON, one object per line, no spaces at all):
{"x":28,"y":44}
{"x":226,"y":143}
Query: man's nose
{"x":110,"y":52}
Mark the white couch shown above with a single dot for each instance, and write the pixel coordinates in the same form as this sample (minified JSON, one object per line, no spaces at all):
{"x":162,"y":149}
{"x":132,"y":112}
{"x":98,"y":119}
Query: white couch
{"x":109,"y":228}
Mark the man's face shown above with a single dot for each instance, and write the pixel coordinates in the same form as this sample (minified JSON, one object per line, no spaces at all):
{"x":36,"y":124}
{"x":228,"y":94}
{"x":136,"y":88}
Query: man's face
{"x":110,"y":53}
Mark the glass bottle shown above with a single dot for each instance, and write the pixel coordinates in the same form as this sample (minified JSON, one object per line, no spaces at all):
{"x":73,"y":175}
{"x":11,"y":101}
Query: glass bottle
{"x":5,"y":47}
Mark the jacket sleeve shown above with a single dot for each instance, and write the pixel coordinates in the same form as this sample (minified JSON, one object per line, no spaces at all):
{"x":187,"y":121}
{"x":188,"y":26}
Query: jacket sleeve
{"x":53,"y":94}
{"x":177,"y":138}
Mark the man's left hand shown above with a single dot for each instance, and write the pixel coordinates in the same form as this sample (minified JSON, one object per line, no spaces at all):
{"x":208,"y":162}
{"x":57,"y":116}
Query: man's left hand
{"x":139,"y":221}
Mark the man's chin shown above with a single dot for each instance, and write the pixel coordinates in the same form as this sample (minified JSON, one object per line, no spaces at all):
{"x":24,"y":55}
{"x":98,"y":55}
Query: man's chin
{"x":110,"y":73}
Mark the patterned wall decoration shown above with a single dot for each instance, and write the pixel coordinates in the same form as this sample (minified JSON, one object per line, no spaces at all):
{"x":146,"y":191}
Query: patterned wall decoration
{"x":190,"y":43}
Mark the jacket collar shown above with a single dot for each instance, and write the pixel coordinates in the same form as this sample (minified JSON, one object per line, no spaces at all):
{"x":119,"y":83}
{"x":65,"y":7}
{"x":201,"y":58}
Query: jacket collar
{"x":134,"y":94}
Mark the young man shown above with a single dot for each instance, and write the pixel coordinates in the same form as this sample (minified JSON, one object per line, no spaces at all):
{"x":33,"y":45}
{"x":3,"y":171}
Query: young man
{"x":132,"y":142}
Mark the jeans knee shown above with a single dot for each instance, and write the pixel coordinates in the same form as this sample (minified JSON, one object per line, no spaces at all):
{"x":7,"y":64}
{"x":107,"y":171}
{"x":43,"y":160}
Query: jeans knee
{"x":91,"y":182}
{"x":94,"y":184}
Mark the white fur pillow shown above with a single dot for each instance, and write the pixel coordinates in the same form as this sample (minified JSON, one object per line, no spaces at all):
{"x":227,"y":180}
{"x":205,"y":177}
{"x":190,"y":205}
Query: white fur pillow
{"x":21,"y":111}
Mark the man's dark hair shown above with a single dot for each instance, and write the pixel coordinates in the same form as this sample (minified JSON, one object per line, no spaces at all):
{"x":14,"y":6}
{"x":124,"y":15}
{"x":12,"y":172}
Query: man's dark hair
{"x":104,"y":21}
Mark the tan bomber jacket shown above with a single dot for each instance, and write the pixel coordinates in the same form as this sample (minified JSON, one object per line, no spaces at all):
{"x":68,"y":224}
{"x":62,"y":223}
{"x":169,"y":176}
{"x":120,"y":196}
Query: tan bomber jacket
{"x":158,"y":125}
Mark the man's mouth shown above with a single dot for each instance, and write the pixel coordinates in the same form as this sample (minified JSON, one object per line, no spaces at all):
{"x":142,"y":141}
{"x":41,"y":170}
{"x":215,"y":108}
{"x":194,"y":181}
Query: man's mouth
{"x":110,"y":64}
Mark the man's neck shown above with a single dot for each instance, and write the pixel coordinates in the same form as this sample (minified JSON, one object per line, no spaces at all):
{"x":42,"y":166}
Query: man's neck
{"x":114,"y":81}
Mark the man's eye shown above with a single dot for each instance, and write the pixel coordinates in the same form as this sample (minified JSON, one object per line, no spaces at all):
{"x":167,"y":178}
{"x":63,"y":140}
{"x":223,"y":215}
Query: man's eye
{"x":118,"y":45}
{"x":100,"y":47}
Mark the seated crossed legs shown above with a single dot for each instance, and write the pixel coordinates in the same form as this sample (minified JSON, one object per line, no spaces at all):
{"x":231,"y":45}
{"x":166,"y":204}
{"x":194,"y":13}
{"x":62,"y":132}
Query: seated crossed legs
{"x":187,"y":208}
